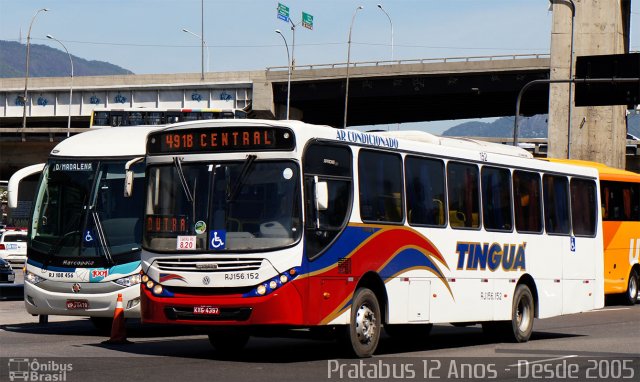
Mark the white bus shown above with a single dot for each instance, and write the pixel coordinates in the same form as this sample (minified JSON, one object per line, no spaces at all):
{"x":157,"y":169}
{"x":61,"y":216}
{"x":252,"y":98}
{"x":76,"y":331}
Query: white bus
{"x":84,"y":234}
{"x":20,"y":194}
{"x":251,"y":225}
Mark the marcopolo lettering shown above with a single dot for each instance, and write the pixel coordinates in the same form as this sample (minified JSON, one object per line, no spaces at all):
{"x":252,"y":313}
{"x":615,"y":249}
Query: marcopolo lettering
{"x":480,"y":256}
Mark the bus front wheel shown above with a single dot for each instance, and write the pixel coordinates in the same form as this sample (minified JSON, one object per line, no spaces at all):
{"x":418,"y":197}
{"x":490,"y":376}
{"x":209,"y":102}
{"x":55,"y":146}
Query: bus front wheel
{"x":632,"y":288}
{"x":363,"y":332}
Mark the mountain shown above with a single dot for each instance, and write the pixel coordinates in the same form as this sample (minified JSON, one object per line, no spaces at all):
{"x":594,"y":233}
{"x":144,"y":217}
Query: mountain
{"x":530,"y":127}
{"x":45,"y":61}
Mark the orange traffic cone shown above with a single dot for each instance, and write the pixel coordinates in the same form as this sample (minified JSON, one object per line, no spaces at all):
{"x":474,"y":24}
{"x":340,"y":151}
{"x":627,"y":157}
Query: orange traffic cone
{"x":118,"y":330}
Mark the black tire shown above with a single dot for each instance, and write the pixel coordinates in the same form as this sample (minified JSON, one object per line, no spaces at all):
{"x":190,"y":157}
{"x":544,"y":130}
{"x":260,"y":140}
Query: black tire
{"x":363,"y":332}
{"x":102,"y":324}
{"x":631,"y":295}
{"x":409,"y":331}
{"x":523,"y":314}
{"x":229,"y":341}
{"x":520,"y":327}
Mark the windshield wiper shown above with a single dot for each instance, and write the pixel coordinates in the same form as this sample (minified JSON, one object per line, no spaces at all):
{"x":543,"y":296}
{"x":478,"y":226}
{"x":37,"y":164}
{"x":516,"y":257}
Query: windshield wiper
{"x":102,"y":238}
{"x":246,"y":166}
{"x":177,"y":162}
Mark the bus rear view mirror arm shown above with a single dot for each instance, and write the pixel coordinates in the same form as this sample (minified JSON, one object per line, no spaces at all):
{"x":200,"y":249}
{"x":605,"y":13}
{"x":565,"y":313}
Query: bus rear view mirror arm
{"x":128,"y":176}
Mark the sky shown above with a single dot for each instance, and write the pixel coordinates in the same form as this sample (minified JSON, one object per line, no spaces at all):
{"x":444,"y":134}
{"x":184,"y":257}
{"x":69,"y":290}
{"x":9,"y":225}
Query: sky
{"x":145,"y":36}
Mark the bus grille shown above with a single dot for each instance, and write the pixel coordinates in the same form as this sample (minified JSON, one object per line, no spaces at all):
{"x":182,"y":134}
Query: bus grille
{"x":209,"y":265}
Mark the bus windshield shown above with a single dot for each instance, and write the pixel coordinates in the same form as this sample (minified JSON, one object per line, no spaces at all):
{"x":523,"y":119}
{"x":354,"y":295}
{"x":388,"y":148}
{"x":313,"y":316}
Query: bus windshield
{"x":81,"y":213}
{"x":228,"y":206}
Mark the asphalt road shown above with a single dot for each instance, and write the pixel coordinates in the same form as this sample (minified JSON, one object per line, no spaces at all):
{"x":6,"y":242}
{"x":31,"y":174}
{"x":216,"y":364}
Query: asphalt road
{"x":592,"y":345}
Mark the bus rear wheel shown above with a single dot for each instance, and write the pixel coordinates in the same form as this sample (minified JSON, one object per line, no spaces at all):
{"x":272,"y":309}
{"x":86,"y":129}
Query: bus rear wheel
{"x":520,"y":327}
{"x":229,"y":340}
{"x":363,"y":332}
{"x":631,"y":296}
{"x":523,"y":314}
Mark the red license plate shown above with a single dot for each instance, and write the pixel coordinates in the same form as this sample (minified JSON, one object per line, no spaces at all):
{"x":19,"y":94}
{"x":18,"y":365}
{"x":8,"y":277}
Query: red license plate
{"x":206,"y":310}
{"x":77,"y":304}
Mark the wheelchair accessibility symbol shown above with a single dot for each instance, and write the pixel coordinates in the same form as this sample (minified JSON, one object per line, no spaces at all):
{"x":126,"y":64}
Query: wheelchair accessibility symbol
{"x":87,"y":237}
{"x":217,"y":239}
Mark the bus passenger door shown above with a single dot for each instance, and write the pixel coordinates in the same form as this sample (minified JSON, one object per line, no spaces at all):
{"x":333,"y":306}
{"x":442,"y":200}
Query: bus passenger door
{"x":578,"y":271}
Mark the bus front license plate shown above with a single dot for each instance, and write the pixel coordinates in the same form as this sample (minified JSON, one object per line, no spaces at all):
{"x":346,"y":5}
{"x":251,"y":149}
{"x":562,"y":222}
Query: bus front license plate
{"x":77,"y":304}
{"x":206,"y":310}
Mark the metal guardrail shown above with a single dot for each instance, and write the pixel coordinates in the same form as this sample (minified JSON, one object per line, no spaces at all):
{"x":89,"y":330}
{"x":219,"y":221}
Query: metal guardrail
{"x":412,"y":61}
{"x":42,"y":130}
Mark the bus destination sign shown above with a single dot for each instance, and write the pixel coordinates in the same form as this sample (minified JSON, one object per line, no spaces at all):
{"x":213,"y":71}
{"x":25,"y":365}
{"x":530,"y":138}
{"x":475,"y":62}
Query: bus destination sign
{"x":220,"y":139}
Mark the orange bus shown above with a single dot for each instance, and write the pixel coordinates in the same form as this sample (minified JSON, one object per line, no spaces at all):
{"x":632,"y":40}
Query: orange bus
{"x":620,"y":202}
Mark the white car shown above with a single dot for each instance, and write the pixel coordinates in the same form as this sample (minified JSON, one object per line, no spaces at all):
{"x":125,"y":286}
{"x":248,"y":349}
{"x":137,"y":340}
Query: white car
{"x":13,"y":246}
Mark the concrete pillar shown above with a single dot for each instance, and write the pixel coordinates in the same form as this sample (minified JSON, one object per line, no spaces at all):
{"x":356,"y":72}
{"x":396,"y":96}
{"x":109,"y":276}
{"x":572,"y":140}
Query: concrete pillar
{"x":597,"y":133}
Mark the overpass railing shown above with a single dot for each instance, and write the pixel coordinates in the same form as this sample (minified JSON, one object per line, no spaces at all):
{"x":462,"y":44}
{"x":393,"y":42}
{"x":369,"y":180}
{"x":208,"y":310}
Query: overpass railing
{"x":413,"y":61}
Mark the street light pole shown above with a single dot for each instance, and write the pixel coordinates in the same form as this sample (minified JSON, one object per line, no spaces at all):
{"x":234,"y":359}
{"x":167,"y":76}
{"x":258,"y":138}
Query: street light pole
{"x":26,"y":76}
{"x":205,"y":45}
{"x":202,"y":39}
{"x":573,"y":19}
{"x":71,"y":86}
{"x":346,"y":92}
{"x":289,"y":64}
{"x":391,"y":23}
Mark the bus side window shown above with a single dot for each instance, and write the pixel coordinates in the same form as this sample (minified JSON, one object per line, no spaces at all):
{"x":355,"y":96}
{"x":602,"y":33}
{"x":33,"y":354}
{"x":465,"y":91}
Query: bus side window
{"x":331,"y":164}
{"x":464,"y":195}
{"x":583,"y":207}
{"x":380,"y":184}
{"x":424,"y":178}
{"x":496,"y":199}
{"x":527,"y":203}
{"x":556,"y":204}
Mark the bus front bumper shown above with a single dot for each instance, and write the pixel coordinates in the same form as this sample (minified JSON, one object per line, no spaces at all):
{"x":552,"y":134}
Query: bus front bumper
{"x":282,"y":307}
{"x":39,"y":301}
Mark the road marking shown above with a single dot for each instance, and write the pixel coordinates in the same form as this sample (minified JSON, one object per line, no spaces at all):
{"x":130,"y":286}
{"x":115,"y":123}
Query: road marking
{"x":525,"y":363}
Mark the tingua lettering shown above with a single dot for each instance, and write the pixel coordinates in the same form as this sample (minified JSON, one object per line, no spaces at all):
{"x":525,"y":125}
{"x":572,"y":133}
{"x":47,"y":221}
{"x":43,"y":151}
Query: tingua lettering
{"x":474,"y":256}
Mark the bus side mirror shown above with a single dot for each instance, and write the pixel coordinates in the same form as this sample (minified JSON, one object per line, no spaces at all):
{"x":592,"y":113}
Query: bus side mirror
{"x":128,"y":176}
{"x":322,"y":196}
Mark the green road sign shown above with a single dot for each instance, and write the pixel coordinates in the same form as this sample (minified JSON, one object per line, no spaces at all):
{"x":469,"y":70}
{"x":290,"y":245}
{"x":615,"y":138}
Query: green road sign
{"x":307,"y":20}
{"x":283,"y":12}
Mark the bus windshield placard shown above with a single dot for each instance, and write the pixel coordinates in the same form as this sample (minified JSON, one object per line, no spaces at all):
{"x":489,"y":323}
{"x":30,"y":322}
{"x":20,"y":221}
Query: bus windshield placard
{"x":221,"y":139}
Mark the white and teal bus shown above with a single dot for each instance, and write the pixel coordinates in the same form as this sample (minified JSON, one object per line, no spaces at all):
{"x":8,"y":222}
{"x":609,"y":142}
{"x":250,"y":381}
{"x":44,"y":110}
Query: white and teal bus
{"x":84,"y":234}
{"x":251,"y":225}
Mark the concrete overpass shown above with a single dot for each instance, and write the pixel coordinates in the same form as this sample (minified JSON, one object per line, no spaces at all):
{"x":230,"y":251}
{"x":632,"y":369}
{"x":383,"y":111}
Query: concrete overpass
{"x":399,"y":91}
{"x":405,"y":91}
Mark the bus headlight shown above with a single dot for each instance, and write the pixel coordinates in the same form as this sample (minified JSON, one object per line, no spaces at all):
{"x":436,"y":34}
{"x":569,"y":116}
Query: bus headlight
{"x":33,"y":278}
{"x":273,"y":284}
{"x":157,"y":289}
{"x":129,"y":280}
